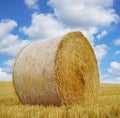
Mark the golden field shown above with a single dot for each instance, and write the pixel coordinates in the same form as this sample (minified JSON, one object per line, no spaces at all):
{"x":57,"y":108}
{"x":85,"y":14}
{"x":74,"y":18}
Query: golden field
{"x":106,"y":106}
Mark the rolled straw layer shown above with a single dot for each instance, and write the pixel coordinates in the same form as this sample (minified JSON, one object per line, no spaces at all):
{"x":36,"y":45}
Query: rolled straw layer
{"x":59,"y":71}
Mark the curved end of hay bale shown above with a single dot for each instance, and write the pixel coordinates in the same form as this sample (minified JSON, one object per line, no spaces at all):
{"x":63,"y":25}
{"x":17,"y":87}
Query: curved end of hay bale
{"x":76,"y":70}
{"x":61,"y":74}
{"x":32,"y":83}
{"x":14,"y":75}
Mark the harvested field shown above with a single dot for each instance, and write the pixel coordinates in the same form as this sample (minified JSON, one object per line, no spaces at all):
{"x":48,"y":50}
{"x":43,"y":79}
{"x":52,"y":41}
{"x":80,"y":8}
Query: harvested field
{"x":107,"y":105}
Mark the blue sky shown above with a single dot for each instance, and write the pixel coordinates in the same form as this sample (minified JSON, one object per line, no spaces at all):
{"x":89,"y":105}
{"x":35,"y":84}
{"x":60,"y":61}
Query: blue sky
{"x":26,"y":21}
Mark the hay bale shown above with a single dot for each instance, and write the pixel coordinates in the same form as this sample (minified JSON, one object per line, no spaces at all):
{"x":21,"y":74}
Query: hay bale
{"x":58,"y":71}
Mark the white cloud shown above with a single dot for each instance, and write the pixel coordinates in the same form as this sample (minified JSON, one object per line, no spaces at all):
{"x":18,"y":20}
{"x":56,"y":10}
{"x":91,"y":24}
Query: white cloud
{"x":10,"y":44}
{"x":8,"y":40}
{"x":100,"y":51}
{"x":8,"y":66}
{"x":115,"y":70}
{"x":102,"y":34}
{"x":9,"y":63}
{"x":117,"y":42}
{"x":90,"y":34}
{"x":72,"y":15}
{"x":84,"y":13}
{"x":4,"y":76}
{"x":6,"y":26}
{"x":117,"y":52}
{"x":44,"y":26}
{"x":118,"y":78}
{"x":108,"y":78}
{"x":104,"y":76}
{"x":12,"y":50}
{"x":32,"y":4}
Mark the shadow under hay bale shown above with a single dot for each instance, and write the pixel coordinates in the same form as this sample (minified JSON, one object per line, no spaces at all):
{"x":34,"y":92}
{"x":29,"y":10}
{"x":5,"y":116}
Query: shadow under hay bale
{"x":59,"y":71}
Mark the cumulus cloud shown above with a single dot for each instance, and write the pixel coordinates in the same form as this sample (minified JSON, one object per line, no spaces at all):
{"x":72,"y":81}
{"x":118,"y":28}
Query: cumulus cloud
{"x":100,"y":51}
{"x":118,"y":78}
{"x":8,"y":66}
{"x":90,"y":34}
{"x":70,"y":15}
{"x":115,"y":69}
{"x":117,"y":42}
{"x":102,"y":34}
{"x":6,"y":26}
{"x":4,"y":76}
{"x":10,"y":44}
{"x":9,"y":63}
{"x":8,"y":40}
{"x":32,"y":4}
{"x":117,"y":52}
{"x":104,"y":76}
{"x":84,"y":13}
{"x":44,"y":26}
{"x":12,"y":50}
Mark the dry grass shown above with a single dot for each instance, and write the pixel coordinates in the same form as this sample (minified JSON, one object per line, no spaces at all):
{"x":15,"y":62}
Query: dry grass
{"x":59,"y":71}
{"x":7,"y":95}
{"x":107,"y":105}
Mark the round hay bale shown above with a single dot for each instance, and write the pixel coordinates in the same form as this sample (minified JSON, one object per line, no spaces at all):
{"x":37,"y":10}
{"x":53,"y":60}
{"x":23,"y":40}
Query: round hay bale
{"x":59,"y":71}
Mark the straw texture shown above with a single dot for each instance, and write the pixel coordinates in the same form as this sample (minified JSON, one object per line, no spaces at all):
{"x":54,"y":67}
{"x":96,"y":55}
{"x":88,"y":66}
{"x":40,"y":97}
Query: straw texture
{"x":59,"y":71}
